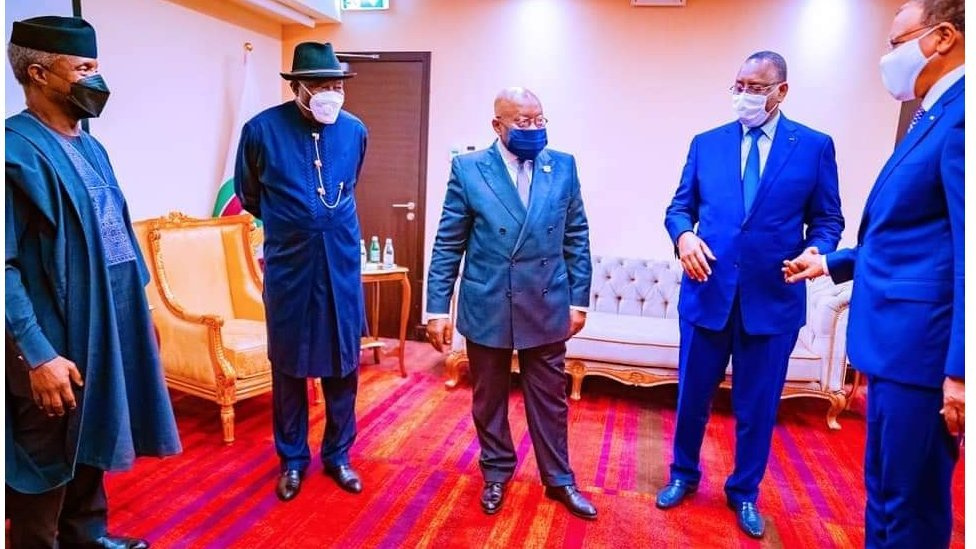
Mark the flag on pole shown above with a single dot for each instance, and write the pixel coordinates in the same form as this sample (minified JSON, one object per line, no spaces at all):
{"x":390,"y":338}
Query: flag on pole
{"x":247,"y":106}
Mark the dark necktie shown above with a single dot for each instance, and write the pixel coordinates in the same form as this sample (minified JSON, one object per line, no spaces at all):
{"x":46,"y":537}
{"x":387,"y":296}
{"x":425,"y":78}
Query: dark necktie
{"x":919,"y":113}
{"x":750,"y":177}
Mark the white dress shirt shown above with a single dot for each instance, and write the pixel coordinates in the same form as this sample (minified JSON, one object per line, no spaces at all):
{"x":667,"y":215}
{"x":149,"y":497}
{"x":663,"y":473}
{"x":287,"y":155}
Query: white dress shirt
{"x":942,"y":86}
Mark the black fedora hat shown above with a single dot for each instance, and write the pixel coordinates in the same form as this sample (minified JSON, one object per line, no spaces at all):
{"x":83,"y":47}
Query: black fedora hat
{"x":314,"y":61}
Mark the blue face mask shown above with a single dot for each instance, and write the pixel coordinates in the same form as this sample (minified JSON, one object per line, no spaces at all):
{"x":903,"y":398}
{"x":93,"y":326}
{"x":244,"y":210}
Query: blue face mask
{"x":526,"y":144}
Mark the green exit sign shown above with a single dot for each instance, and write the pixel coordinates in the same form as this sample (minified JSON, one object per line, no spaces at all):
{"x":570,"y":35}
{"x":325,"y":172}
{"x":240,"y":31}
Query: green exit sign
{"x":365,"y":4}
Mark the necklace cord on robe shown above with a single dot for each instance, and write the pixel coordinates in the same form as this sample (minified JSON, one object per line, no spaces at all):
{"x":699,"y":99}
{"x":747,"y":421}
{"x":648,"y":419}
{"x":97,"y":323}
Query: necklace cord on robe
{"x":318,"y":170}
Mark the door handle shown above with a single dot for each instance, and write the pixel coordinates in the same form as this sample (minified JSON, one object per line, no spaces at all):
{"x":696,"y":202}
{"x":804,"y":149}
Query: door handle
{"x":410,"y":206}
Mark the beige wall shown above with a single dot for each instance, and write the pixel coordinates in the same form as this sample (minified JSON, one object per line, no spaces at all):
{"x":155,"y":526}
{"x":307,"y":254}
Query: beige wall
{"x":626,"y":88}
{"x":174,"y":69}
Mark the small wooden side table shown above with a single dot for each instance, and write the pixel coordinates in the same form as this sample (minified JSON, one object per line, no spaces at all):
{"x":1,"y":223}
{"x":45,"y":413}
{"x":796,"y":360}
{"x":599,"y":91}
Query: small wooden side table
{"x":372,"y":279}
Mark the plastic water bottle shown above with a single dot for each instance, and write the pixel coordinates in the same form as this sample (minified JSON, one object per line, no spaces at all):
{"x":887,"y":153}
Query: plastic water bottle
{"x":362,"y":254}
{"x":374,"y":249}
{"x":388,"y":254}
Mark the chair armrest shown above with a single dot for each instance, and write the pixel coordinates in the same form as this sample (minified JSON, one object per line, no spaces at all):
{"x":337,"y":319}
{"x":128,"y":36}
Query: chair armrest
{"x":192,"y":348}
{"x":827,"y":312}
{"x":458,"y":342}
{"x":190,"y":329}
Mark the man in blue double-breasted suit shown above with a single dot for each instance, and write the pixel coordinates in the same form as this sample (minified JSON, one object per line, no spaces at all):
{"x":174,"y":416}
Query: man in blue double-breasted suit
{"x":751,"y":187}
{"x":907,"y":305}
{"x":514,"y":212}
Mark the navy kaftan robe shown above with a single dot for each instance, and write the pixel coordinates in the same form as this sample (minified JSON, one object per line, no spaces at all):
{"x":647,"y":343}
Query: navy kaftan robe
{"x":312,"y":287}
{"x":75,"y":288}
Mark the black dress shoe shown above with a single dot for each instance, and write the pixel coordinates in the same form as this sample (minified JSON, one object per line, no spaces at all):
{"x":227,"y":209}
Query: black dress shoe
{"x":674,"y":493}
{"x":573,"y":499}
{"x":749,"y":519}
{"x":492,"y":497}
{"x":345,"y":477}
{"x":289,"y":484}
{"x":109,"y":542}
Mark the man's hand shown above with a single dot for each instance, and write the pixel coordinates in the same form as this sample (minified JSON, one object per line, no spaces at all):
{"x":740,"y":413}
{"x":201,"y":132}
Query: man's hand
{"x":577,"y":319}
{"x":808,"y":265}
{"x":51,"y":385}
{"x":954,"y":405}
{"x":440,"y":332}
{"x":694,"y":255}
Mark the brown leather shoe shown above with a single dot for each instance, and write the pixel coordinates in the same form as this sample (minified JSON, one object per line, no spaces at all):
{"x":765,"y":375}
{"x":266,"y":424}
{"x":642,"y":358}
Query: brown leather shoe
{"x":573,"y":499}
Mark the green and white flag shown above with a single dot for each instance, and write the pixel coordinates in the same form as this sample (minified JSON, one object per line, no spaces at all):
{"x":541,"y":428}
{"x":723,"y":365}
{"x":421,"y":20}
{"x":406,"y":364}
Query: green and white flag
{"x":227,"y":202}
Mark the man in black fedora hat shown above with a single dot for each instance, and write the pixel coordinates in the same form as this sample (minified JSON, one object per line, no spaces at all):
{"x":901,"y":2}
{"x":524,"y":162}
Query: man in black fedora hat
{"x":297,"y":169}
{"x":84,"y":387}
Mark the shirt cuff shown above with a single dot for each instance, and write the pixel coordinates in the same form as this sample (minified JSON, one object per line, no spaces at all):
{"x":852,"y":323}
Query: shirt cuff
{"x":437,"y":316}
{"x":35,"y":349}
{"x":823,"y":262}
{"x":578,"y":308}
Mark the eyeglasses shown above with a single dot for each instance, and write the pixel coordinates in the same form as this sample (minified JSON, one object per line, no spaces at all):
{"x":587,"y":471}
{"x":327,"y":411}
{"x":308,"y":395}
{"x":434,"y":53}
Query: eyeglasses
{"x":524,"y":122}
{"x":757,"y":89}
{"x":902,"y":38}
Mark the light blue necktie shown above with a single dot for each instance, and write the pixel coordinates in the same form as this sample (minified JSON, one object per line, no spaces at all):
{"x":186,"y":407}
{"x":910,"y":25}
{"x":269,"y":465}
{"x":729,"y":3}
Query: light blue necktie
{"x":522,"y":181}
{"x":750,"y":177}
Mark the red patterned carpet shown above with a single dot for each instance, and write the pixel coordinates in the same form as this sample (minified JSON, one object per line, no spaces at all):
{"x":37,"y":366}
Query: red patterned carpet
{"x":417,"y":453}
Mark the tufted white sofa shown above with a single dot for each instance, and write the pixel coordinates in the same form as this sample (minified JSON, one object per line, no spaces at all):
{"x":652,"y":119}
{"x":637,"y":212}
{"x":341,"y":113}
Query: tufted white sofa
{"x":631,"y":334}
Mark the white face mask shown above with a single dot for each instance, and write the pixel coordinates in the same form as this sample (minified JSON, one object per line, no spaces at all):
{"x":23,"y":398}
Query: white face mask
{"x":900,"y":68}
{"x":750,"y":108}
{"x":325,"y":105}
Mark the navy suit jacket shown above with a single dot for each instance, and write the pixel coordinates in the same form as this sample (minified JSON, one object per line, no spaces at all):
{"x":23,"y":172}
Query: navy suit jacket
{"x":907,"y":306}
{"x":798,"y":188}
{"x":522,"y":269}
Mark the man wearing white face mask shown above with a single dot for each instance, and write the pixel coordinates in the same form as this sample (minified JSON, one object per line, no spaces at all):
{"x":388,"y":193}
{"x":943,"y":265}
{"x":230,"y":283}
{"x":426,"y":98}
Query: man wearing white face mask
{"x":297,"y":168}
{"x":907,"y":308}
{"x":753,"y":193}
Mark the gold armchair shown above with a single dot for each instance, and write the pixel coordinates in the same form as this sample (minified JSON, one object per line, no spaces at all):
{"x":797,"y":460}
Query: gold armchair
{"x":206,"y":293}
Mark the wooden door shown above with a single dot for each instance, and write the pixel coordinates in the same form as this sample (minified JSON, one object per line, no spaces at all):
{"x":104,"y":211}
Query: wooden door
{"x":391,"y":94}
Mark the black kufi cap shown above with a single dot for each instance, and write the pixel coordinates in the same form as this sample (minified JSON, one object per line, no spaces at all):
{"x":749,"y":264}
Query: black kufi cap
{"x":56,"y":34}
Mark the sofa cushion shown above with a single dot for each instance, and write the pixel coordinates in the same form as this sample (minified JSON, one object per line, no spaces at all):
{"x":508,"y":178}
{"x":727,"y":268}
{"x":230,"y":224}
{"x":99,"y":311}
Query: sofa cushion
{"x":805,"y":364}
{"x":246,"y":347}
{"x":654,"y":342}
{"x":626,"y":339}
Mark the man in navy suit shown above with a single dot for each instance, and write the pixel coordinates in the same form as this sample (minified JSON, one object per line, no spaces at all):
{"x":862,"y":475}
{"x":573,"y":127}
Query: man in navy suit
{"x":514,"y":212}
{"x":751,"y":187}
{"x":907,"y":307}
